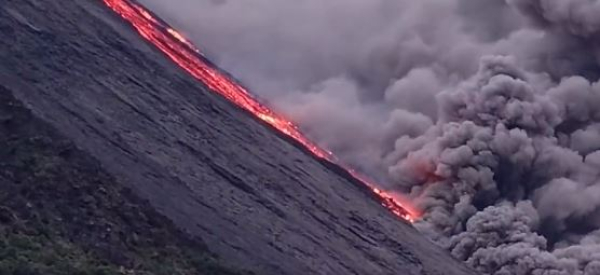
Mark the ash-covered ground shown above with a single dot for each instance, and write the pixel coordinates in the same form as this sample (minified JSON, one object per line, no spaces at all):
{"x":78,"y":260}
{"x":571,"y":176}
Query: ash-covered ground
{"x":255,"y":199}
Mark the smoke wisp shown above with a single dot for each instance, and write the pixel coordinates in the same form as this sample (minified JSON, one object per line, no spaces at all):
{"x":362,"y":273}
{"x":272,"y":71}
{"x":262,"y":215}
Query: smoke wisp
{"x":485,"y":113}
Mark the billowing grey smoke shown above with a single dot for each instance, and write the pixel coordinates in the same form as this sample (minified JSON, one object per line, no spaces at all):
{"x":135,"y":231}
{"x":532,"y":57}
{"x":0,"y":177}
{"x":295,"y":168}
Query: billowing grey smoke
{"x":508,"y":177}
{"x":485,"y":113}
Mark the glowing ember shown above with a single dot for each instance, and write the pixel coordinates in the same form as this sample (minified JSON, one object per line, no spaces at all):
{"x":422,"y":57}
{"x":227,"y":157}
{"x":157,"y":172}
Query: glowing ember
{"x":182,"y":39}
{"x":179,"y":49}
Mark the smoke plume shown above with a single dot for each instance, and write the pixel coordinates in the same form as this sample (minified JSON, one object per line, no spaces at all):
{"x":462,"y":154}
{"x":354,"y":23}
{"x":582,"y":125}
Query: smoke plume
{"x":485,"y":113}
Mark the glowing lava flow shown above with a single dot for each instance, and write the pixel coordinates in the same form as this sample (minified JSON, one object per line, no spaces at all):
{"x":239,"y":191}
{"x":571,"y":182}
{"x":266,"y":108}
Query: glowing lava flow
{"x":180,"y":50}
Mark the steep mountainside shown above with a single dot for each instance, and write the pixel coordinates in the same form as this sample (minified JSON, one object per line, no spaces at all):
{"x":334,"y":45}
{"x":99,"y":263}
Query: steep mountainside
{"x":60,"y":213}
{"x":256,"y":200}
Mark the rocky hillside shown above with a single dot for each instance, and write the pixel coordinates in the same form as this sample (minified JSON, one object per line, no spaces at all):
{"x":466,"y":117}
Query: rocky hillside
{"x":60,"y":213}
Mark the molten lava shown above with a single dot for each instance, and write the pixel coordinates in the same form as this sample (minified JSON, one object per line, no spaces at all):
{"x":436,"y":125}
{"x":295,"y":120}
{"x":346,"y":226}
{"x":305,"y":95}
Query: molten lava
{"x":181,"y":51}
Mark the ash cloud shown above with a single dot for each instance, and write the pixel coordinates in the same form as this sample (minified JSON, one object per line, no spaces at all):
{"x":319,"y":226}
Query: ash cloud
{"x":484,"y":113}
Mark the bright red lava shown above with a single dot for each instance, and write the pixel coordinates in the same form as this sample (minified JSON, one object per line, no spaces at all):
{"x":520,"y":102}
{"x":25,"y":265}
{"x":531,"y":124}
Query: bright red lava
{"x":181,"y":51}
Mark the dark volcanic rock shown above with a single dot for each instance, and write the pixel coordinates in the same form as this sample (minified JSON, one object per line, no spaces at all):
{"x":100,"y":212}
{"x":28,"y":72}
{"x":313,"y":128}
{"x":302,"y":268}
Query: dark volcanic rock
{"x":61,"y":213}
{"x":256,"y":200}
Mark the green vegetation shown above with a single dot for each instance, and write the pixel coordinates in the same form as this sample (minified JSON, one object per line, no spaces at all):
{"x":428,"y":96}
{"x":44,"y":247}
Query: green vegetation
{"x":21,"y":254}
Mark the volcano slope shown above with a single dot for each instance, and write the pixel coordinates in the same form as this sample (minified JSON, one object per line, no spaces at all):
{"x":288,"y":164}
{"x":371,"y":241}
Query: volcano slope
{"x":216,"y":173}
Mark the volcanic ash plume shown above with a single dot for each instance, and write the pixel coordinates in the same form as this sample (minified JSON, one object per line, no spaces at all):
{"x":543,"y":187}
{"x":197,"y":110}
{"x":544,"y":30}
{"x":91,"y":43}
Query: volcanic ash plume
{"x":486,"y":113}
{"x":508,"y":179}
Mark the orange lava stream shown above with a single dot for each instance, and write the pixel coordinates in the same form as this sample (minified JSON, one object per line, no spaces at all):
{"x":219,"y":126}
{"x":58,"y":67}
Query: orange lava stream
{"x":181,"y":51}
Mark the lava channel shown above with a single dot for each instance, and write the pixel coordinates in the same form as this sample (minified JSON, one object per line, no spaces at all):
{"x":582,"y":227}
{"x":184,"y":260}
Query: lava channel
{"x":181,"y":51}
